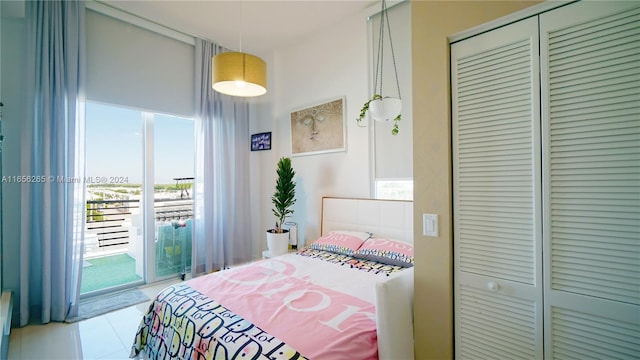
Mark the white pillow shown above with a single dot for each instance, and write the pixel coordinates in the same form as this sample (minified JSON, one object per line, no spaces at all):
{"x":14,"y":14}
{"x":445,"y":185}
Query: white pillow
{"x":394,"y":316}
{"x":359,"y":234}
{"x":341,"y":242}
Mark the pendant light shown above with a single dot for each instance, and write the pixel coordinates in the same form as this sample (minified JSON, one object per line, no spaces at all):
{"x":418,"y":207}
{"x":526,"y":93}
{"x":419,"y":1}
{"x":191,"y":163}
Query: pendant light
{"x":238,"y":73}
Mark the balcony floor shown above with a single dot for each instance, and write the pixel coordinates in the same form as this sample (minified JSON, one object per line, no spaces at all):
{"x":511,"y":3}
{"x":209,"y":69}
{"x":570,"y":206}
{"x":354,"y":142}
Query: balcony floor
{"x":108,"y":271}
{"x":115,"y":269}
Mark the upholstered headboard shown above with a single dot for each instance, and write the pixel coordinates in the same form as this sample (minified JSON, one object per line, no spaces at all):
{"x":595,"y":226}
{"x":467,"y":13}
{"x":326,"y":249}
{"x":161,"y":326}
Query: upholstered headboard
{"x":383,"y":218}
{"x":394,"y":295}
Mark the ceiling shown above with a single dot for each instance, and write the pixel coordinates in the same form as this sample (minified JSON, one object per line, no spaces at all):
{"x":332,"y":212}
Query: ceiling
{"x":259,"y":26}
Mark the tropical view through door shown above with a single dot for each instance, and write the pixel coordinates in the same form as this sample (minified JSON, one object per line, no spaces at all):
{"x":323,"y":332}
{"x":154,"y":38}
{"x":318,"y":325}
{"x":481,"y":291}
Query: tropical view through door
{"x":138,"y":228}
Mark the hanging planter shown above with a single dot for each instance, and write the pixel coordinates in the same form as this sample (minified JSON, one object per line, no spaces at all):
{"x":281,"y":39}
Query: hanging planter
{"x":383,"y":108}
{"x":386,"y":109}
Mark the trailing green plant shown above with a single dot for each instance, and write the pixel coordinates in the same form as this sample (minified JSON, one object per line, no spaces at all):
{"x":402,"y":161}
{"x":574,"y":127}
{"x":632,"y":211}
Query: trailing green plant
{"x":365,"y":108}
{"x":395,"y":129}
{"x":285,"y":193}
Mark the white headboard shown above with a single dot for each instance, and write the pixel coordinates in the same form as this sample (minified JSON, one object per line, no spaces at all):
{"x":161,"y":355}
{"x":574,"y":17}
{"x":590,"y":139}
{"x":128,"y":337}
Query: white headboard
{"x":384,"y":218}
{"x":394,"y":296}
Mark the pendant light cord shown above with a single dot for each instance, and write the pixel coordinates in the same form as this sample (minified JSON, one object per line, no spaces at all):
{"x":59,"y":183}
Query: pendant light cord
{"x":240,"y":50}
{"x":244,"y":60}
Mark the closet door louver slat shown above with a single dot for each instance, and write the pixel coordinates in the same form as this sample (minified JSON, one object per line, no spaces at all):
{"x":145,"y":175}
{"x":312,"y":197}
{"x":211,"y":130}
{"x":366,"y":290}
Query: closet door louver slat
{"x":496,"y":197}
{"x":585,"y":336}
{"x":590,"y":59}
{"x":510,"y":136}
{"x":496,"y":324}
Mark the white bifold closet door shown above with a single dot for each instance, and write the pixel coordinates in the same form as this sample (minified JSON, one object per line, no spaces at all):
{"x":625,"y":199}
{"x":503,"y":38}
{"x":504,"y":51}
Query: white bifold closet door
{"x":497,"y":194}
{"x":590,"y":63}
{"x":546,"y":159}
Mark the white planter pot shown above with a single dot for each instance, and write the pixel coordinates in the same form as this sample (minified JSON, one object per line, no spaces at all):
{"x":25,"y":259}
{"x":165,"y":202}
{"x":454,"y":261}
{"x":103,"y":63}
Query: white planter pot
{"x":385,"y":109}
{"x":278,"y":243}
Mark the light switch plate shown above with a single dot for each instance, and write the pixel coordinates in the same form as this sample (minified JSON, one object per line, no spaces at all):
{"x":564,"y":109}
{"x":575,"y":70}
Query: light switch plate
{"x":430,"y":225}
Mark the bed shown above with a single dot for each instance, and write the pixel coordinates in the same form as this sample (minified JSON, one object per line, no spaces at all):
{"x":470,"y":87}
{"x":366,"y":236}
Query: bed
{"x":347,"y":295}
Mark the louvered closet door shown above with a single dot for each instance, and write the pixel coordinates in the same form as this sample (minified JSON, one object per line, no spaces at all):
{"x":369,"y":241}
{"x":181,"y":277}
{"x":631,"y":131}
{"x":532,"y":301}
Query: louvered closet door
{"x":497,"y":231}
{"x":591,"y":124}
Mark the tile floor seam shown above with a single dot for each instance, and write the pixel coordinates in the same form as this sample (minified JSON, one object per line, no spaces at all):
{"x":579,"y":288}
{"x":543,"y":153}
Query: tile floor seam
{"x":115,"y":331}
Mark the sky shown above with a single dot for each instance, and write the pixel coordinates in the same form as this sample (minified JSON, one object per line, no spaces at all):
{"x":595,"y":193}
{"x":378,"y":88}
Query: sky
{"x":114,"y":138}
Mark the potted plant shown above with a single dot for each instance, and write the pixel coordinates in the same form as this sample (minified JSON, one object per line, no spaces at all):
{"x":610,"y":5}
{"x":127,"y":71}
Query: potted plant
{"x":283,"y":199}
{"x":384,"y":109}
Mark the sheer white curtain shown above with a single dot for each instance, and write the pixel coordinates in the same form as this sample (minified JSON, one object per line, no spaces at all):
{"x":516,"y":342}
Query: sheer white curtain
{"x":222,"y":233}
{"x":52,"y":209}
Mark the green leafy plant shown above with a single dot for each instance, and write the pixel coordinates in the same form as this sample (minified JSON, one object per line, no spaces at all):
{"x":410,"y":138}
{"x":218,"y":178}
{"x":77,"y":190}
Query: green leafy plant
{"x":365,"y":108}
{"x":395,"y":129}
{"x":285,"y":194}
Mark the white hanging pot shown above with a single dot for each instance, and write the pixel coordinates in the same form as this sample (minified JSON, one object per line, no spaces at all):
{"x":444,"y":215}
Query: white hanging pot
{"x":385,"y":109}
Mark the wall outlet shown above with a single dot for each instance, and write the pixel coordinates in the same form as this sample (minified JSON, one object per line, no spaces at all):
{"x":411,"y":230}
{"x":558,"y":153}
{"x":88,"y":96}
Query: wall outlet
{"x":430,"y":225}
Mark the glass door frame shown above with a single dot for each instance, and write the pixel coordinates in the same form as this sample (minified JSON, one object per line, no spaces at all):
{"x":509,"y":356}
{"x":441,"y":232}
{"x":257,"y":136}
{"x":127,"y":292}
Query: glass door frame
{"x":148,"y":203}
{"x":147,"y":254}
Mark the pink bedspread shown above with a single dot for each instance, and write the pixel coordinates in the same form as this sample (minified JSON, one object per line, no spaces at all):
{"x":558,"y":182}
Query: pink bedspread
{"x":318,"y":322}
{"x":291,"y":307}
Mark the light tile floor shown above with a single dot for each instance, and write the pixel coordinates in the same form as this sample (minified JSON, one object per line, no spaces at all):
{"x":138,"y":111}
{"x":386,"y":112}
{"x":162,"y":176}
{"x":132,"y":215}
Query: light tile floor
{"x":108,"y":336}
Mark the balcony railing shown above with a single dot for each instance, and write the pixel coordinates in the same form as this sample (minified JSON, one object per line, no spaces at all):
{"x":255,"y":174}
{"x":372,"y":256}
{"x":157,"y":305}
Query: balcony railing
{"x":110,"y":221}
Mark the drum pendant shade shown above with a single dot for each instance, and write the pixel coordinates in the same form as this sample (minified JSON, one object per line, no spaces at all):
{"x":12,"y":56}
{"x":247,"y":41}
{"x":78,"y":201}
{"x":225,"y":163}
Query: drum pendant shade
{"x":239,"y":74}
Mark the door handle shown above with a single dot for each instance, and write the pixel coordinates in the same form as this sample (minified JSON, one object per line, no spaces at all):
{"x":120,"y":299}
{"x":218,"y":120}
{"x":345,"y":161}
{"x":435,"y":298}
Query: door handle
{"x":493,"y":286}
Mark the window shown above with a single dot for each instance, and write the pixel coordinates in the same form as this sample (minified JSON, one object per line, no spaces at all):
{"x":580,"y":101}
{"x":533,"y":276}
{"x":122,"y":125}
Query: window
{"x":394,"y":189}
{"x":393,"y":154}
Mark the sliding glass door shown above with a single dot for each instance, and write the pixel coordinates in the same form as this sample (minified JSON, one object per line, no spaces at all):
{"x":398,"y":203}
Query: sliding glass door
{"x":139,"y":168}
{"x":173,"y":169}
{"x":114,"y":172}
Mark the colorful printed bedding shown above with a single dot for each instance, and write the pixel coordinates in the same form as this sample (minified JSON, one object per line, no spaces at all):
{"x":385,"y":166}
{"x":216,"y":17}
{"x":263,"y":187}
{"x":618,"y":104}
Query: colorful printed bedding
{"x":352,"y":262}
{"x":294,"y":306}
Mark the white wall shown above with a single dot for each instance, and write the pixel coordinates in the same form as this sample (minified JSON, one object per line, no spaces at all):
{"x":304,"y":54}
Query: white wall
{"x":333,"y":63}
{"x":261,"y":119}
